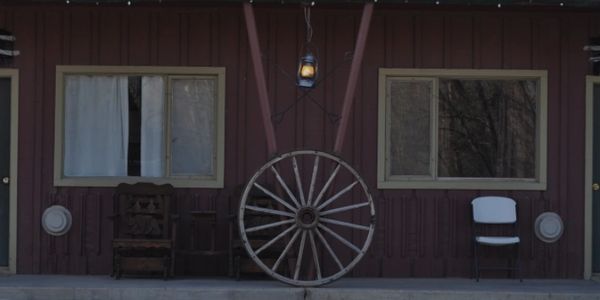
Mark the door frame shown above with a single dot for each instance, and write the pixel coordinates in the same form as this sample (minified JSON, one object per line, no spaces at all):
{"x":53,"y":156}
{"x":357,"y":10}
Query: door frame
{"x":589,"y":162}
{"x":13,"y":74}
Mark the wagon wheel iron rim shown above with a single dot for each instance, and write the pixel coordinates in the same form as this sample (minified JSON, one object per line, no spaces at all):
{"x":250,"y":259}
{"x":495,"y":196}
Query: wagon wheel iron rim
{"x":307,"y":220}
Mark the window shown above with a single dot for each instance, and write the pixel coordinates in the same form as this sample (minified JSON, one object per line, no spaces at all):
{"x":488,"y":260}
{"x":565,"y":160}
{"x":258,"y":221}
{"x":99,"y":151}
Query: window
{"x":462,"y":129}
{"x":130,"y":124}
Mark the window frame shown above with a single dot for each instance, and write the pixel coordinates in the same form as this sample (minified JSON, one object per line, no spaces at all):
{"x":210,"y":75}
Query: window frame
{"x":169,"y":73}
{"x":387,"y":181}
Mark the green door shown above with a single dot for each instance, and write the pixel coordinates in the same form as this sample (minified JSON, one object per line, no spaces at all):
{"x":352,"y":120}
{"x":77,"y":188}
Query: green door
{"x":596,"y":183}
{"x":4,"y":167}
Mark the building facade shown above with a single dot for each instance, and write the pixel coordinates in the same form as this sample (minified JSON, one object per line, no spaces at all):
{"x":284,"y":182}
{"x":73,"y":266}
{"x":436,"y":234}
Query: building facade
{"x":422,"y":229}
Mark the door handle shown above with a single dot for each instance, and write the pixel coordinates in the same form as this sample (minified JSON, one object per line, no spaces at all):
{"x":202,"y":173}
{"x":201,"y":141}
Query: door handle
{"x":6,"y":180}
{"x":595,"y":186}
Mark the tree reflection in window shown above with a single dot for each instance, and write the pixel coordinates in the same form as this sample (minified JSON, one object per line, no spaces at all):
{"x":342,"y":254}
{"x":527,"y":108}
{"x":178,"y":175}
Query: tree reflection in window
{"x":487,"y":128}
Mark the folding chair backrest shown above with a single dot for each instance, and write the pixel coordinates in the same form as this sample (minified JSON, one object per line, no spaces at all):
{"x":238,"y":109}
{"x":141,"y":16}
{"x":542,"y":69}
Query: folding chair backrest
{"x":494,"y":210}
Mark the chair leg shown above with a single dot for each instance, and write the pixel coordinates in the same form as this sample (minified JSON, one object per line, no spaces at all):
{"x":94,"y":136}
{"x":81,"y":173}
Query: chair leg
{"x":166,"y":267}
{"x":237,"y":268}
{"x":119,"y":272}
{"x":114,"y":267}
{"x":476,"y":257}
{"x":230,"y":250}
{"x":518,"y":264}
{"x":113,"y":273}
{"x":511,"y":266}
{"x":117,"y":266}
{"x":172,"y":264}
{"x":473,"y":275}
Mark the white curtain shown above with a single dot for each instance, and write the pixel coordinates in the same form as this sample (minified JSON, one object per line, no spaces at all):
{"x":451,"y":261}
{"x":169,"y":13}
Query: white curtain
{"x":152,"y":133}
{"x":96,"y":118}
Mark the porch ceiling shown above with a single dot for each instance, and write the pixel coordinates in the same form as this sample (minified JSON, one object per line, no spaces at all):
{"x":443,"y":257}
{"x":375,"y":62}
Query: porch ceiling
{"x":519,"y":3}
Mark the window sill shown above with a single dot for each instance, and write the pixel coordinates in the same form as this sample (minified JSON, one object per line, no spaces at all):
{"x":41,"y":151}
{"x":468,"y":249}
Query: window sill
{"x":114,"y":181}
{"x":460,"y":184}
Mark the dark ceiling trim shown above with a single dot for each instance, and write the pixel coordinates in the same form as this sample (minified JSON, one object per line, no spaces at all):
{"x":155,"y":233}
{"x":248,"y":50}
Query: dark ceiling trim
{"x":505,"y":3}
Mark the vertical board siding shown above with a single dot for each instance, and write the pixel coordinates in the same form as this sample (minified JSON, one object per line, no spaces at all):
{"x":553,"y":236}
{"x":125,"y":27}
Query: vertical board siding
{"x":576,"y":134}
{"x":422,"y":233}
{"x":27,"y":207}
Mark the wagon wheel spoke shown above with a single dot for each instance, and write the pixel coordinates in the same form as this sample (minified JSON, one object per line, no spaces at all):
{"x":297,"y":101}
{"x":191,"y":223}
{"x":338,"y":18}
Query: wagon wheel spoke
{"x":326,"y":244}
{"x":293,"y":221}
{"x":267,"y":226}
{"x":272,"y":195}
{"x":327,"y":184}
{"x":285,"y":251}
{"x":300,"y":253}
{"x":271,"y":242}
{"x":285,"y":187}
{"x":311,"y":189}
{"x":315,"y":255}
{"x":340,"y":238}
{"x":343,"y":208}
{"x":270,"y":211}
{"x":345,"y":224}
{"x":336,"y":196}
{"x":298,"y":181}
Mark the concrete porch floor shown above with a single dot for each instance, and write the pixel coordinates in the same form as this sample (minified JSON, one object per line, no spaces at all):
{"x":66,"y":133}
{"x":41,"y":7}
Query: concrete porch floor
{"x":59,"y":287}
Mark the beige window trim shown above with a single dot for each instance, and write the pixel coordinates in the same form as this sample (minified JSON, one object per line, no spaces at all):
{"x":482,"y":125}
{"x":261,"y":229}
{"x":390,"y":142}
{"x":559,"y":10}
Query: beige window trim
{"x":215,"y":181}
{"x":387,"y":181}
{"x":589,"y":163}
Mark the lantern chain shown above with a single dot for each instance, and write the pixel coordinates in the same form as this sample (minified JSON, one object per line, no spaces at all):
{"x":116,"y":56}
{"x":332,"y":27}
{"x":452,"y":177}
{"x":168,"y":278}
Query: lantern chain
{"x":309,"y":30}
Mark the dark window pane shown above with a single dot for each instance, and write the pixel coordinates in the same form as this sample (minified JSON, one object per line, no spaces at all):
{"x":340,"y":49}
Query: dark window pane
{"x":487,"y":128}
{"x":135,"y":109}
{"x":410,"y":142}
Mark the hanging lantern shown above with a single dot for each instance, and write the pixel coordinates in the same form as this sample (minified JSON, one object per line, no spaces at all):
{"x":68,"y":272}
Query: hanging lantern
{"x":307,"y":71}
{"x":307,"y":67}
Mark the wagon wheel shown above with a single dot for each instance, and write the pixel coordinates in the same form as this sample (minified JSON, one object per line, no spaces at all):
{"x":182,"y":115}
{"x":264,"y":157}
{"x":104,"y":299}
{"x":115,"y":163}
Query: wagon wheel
{"x":315,"y":235}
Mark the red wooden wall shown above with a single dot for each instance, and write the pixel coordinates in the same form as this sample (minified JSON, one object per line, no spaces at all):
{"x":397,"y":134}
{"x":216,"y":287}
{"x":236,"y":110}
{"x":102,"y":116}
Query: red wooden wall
{"x":419,"y":233}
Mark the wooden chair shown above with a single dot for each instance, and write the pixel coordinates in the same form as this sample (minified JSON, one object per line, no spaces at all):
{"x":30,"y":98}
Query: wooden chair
{"x":144,"y":229}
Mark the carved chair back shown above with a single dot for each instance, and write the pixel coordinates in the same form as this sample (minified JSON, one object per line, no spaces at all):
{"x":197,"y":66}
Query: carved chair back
{"x":144,"y":210}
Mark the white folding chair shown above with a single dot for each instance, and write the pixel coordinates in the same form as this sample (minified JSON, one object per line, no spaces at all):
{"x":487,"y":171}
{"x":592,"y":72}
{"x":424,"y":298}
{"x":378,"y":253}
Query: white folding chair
{"x":494,"y":210}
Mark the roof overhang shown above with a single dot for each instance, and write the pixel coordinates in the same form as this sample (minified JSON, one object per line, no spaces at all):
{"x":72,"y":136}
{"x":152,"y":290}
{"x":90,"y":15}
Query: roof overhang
{"x":570,"y":3}
{"x":503,"y":3}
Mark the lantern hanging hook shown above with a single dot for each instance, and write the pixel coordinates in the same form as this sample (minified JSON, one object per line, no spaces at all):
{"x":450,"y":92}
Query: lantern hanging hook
{"x":309,"y":29}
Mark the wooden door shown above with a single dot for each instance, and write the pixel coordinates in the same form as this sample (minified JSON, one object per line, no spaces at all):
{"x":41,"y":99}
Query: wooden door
{"x":4,"y":168}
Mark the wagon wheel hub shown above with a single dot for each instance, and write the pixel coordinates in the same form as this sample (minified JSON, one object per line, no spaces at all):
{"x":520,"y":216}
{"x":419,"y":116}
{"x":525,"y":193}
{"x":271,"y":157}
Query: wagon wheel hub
{"x":307,"y":217}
